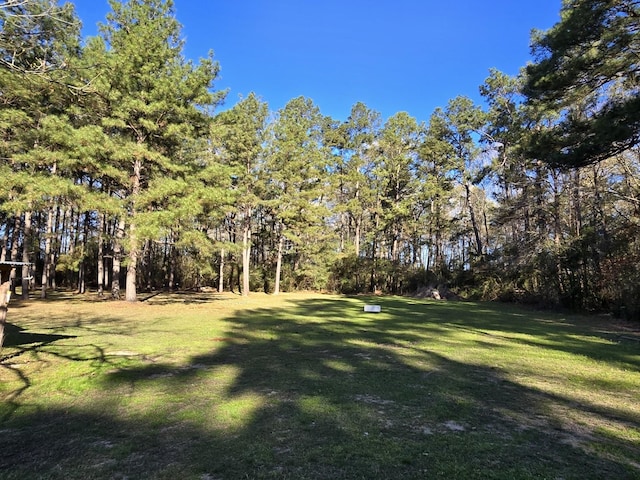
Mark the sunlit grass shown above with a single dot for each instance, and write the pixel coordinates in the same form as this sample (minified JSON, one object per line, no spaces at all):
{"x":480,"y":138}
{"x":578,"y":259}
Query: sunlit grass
{"x":209,"y":386}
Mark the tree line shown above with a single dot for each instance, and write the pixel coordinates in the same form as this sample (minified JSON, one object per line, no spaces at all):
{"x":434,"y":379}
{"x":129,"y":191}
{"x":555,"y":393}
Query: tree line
{"x":117,"y":174}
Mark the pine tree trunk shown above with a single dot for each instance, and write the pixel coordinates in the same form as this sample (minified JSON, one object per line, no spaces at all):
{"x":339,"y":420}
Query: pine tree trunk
{"x":246,"y":256}
{"x":276,"y":289}
{"x":82,"y":284}
{"x":172,"y":265}
{"x":58,"y":227}
{"x":373,"y":279}
{"x":343,"y":228}
{"x":395,"y":246}
{"x":46,"y":268}
{"x":231,"y":284}
{"x":5,"y":293}
{"x":134,"y":249}
{"x":82,"y":270}
{"x":221,"y":273}
{"x":100,"y":260}
{"x":15,"y":239}
{"x":603,"y":227}
{"x":117,"y":258}
{"x":474,"y":223}
{"x":148,"y":273}
{"x":47,"y":254}
{"x":26,"y":269}
{"x":5,"y":240}
{"x":438,"y":240}
{"x":357,"y":233}
{"x":72,"y":241}
{"x":358,"y":221}
{"x":132,"y":266}
{"x":576,"y":203}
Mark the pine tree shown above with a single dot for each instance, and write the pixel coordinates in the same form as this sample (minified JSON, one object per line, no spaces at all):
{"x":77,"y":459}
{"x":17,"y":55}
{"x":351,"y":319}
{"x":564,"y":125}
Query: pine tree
{"x":588,"y":60}
{"x":154,"y":101}
{"x":38,"y":40}
{"x":354,"y":165}
{"x":295,"y":175}
{"x":437,"y":160}
{"x":464,"y":123}
{"x":241,"y":131}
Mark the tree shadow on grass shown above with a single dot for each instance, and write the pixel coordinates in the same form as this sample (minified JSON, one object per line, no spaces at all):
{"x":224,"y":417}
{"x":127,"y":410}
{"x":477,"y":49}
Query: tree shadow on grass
{"x":21,"y":342}
{"x":184,"y":297}
{"x":16,"y":336}
{"x":313,"y":391}
{"x":578,"y":335}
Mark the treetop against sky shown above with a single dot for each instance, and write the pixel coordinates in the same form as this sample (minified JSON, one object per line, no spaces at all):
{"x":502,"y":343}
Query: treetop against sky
{"x":405,"y":55}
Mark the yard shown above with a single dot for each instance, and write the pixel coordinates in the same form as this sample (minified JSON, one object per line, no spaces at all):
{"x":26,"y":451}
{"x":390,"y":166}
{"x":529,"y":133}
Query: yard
{"x":305,"y":386}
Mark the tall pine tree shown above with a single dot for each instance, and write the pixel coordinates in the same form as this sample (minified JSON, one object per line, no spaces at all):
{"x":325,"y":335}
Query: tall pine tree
{"x":242,"y":131}
{"x":588,"y":59}
{"x":154,"y":101}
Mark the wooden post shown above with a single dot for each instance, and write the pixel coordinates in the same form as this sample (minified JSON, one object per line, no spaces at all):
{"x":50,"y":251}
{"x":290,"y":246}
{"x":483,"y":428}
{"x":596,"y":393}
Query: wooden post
{"x":5,"y":294}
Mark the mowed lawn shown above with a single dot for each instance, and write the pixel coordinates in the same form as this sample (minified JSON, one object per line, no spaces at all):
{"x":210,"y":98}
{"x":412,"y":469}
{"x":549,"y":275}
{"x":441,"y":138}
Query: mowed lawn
{"x":301,"y":386}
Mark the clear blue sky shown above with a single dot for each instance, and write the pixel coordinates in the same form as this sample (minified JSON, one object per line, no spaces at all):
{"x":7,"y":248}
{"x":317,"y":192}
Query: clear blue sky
{"x":393,"y":55}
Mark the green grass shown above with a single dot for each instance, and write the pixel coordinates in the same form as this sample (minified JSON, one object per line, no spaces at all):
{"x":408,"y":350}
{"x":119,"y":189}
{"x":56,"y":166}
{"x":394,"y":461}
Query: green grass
{"x":206,"y":386}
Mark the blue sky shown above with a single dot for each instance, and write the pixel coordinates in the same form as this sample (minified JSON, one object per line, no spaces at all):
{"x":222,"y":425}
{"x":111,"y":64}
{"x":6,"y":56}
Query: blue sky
{"x":393,"y":55}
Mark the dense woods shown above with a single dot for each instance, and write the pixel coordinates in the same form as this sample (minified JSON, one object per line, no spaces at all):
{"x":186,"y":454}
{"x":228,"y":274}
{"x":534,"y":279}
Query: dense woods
{"x":117,"y":172}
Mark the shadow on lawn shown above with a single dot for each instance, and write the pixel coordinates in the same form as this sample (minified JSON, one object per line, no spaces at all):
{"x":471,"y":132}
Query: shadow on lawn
{"x":22,"y":342}
{"x":19,"y":337}
{"x":575,"y":335}
{"x":317,"y":392}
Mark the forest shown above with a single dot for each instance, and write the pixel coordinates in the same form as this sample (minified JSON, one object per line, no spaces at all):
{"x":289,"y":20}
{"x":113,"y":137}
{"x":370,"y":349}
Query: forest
{"x":118,"y":175}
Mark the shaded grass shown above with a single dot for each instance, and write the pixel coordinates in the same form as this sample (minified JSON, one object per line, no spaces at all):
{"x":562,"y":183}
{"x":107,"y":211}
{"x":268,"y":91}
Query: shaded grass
{"x":307,"y":386}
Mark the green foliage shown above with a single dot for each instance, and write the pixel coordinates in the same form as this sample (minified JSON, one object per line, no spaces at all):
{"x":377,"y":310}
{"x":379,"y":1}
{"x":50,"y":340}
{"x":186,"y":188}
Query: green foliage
{"x":37,"y":37}
{"x":352,"y":179}
{"x":70,"y":262}
{"x":295,"y":175}
{"x":112,"y":148}
{"x":37,"y":41}
{"x":350,"y":275}
{"x":586,"y":72}
{"x":395,"y":171}
{"x":240,"y":133}
{"x":155,"y":106}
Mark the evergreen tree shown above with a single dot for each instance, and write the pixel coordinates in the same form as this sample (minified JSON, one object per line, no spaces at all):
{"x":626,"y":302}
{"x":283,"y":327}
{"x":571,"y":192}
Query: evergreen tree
{"x":437,"y":160}
{"x":464,"y":124}
{"x":525,"y":222}
{"x":296,"y":178}
{"x":242,"y":131}
{"x":396,"y":172}
{"x":154,"y":102}
{"x":38,"y":40}
{"x":36,"y":36}
{"x":353,"y":172}
{"x":588,"y":59}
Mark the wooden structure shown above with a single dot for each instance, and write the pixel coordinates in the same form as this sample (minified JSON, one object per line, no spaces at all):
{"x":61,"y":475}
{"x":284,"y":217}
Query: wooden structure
{"x":5,"y":292}
{"x":6,"y":267}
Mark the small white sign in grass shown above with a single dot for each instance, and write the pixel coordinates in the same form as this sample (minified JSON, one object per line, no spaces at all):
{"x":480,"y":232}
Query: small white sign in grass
{"x":372,"y":308}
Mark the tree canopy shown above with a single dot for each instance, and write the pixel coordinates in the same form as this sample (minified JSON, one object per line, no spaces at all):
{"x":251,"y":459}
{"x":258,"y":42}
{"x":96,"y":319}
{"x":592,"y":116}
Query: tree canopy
{"x":116,"y":168}
{"x":586,"y":76}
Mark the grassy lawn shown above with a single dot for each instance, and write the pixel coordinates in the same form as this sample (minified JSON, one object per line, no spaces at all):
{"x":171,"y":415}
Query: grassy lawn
{"x":213,"y":387}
